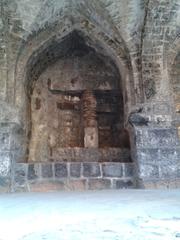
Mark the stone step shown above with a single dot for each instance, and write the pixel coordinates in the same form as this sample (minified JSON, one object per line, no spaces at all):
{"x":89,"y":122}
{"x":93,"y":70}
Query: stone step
{"x":72,"y":176}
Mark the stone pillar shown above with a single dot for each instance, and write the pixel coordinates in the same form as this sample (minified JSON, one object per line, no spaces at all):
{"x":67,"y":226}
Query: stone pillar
{"x":89,"y":118}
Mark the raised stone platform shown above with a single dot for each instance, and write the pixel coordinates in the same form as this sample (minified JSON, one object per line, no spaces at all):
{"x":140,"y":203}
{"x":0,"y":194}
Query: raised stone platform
{"x":78,"y":154}
{"x":71,"y":176}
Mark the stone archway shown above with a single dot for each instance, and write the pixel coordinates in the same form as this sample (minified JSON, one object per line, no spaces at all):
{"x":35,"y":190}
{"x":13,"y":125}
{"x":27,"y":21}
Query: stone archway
{"x":31,"y":55}
{"x":113,"y":164}
{"x":76,"y":102}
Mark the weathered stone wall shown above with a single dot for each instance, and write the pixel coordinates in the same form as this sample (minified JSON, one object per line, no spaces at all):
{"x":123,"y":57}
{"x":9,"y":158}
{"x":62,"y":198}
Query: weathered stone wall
{"x":175,"y":80}
{"x":159,"y":149}
{"x":141,"y":37}
{"x":72,"y":176}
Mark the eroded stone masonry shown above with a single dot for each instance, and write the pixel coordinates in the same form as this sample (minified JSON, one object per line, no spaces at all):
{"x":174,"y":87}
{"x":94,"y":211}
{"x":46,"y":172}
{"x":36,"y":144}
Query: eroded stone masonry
{"x":89,"y":94}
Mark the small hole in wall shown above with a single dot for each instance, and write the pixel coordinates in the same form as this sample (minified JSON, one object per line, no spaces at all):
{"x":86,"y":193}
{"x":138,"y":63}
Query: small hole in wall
{"x":38,"y":103}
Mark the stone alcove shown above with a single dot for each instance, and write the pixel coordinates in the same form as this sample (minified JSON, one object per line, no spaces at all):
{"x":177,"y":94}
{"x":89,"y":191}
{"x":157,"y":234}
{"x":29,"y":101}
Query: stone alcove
{"x":74,"y":116}
{"x":76,"y":108}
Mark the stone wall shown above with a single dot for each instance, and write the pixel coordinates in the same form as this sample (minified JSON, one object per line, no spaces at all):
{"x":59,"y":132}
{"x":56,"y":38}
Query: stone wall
{"x":158,"y":152}
{"x":142,"y":39}
{"x":72,"y":176}
{"x":175,"y":80}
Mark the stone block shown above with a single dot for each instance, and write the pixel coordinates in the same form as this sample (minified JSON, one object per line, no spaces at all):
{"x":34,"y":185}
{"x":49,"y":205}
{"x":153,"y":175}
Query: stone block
{"x":90,"y":155}
{"x":145,"y":156}
{"x":124,"y":184}
{"x":4,"y":141}
{"x":4,"y":184}
{"x":76,"y":154}
{"x":46,"y":186}
{"x":114,"y":155}
{"x":178,"y":182}
{"x":112,"y":169}
{"x":148,"y":184}
{"x":91,"y":170}
{"x":159,"y":137}
{"x":138,"y":119}
{"x":148,"y":171}
{"x":46,"y":170}
{"x":3,"y":79}
{"x":168,"y":171}
{"x":61,"y":170}
{"x":75,"y":170}
{"x":169,"y":156}
{"x":178,"y":171}
{"x":165,"y":137}
{"x":165,"y":183}
{"x":75,"y":185}
{"x":128,"y":169}
{"x":99,"y":184}
{"x":33,"y":171}
{"x":161,"y":108}
{"x":91,"y":137}
{"x":5,"y":162}
{"x":20,"y":174}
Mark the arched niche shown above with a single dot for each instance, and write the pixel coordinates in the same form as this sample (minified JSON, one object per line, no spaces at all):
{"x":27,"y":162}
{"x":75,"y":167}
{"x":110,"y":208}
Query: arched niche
{"x":175,"y":82}
{"x":60,"y":102}
{"x":35,"y":60}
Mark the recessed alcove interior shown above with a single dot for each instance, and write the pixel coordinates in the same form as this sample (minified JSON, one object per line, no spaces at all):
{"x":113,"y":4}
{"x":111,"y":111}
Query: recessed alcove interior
{"x":175,"y":80}
{"x":75,"y":105}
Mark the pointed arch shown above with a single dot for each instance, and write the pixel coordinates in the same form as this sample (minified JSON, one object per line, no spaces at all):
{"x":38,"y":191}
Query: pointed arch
{"x":172,"y":62}
{"x":46,"y":46}
{"x":32,"y":51}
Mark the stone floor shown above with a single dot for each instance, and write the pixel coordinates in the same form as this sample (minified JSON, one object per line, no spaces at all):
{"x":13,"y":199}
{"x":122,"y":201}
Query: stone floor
{"x":105,"y":215}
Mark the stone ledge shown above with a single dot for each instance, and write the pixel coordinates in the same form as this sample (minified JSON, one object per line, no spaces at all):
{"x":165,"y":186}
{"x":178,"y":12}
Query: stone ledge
{"x":112,"y":170}
{"x":51,"y":185}
{"x":92,"y":155}
{"x":71,"y":176}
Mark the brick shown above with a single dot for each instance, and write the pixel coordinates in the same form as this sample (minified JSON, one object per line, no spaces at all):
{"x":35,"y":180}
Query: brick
{"x":128,"y":170}
{"x":151,"y":138}
{"x":5,"y":163}
{"x":4,"y":141}
{"x":46,"y":186}
{"x":46,"y":170}
{"x":33,"y":171}
{"x":112,"y":169}
{"x":20,"y":173}
{"x":61,"y":170}
{"x":99,"y":184}
{"x":148,"y":171}
{"x":91,"y":170}
{"x":147,"y":155}
{"x":75,"y":185}
{"x":75,"y":170}
{"x":4,"y":182}
{"x":120,"y":184}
